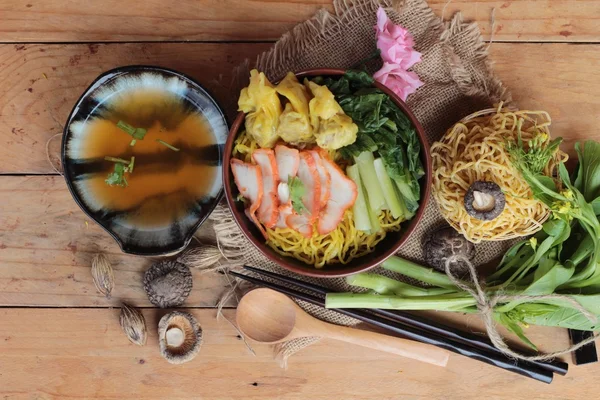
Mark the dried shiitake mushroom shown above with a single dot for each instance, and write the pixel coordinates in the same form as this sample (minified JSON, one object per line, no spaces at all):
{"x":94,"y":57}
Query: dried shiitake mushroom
{"x":484,"y":200}
{"x":179,"y":337}
{"x":446,"y":242}
{"x":168,"y":283}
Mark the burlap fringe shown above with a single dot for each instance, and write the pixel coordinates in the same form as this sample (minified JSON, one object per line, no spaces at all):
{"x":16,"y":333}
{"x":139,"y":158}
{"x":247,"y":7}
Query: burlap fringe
{"x":487,"y":86}
{"x":230,"y":240}
{"x":233,"y":245}
{"x":472,"y":81}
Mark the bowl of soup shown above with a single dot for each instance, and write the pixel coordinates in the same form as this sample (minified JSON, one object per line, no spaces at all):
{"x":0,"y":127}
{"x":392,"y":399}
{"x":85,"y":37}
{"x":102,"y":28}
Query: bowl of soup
{"x":142,"y":156}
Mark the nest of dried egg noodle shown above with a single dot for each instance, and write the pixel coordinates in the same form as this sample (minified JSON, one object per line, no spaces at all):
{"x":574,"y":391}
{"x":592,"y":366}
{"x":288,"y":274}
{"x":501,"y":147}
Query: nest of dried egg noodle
{"x":473,"y":150}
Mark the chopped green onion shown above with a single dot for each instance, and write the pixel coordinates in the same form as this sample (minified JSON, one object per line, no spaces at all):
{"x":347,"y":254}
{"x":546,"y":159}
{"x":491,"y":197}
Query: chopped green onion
{"x":137,"y":133}
{"x":167,"y":145}
{"x":297,"y":191}
{"x":126,"y":127}
{"x":133,"y":142}
{"x":117,"y":178}
{"x":116,"y":160}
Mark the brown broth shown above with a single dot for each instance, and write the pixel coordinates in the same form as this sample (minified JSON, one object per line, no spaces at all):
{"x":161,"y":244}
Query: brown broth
{"x":164,"y":183}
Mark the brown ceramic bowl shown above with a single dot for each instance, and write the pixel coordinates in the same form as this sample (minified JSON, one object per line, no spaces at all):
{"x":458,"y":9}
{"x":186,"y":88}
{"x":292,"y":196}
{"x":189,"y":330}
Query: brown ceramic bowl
{"x":386,"y":248}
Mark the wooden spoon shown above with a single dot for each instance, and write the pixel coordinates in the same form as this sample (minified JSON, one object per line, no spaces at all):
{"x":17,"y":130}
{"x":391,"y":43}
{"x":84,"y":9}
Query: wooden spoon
{"x":267,"y":316}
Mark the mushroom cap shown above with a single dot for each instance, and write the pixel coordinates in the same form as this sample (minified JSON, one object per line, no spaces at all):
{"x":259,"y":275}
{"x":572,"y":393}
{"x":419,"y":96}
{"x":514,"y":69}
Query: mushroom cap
{"x":484,"y":190}
{"x":168,"y":283}
{"x":173,"y":348}
{"x":445,"y":242}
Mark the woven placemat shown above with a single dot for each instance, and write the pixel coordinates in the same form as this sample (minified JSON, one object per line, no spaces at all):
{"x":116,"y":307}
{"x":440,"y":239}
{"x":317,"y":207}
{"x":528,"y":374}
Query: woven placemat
{"x":457,"y":80}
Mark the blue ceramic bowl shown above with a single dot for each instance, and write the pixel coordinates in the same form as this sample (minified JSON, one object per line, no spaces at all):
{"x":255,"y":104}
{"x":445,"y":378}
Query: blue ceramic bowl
{"x":165,"y":222}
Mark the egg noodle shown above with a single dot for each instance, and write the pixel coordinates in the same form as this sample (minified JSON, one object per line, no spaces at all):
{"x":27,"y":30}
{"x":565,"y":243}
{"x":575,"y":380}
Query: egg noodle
{"x":474,"y":150}
{"x":339,"y":246}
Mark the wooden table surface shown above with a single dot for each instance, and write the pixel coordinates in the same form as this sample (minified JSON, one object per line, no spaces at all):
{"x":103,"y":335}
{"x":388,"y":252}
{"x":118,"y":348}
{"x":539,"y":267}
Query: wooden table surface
{"x":60,"y":339}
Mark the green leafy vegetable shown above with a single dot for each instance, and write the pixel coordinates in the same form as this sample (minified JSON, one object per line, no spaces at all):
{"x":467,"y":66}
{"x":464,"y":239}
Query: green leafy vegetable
{"x":297,"y":190}
{"x":137,"y":133}
{"x":117,"y":177}
{"x":563,"y":258}
{"x":382,"y":128}
{"x":538,"y":153}
{"x":167,"y":145}
{"x":587,"y":179}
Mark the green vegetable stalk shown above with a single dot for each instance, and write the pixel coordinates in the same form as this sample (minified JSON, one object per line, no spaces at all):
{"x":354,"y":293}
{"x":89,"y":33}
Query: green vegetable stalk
{"x":362,"y":220}
{"x":382,"y":128}
{"x":389,"y":192}
{"x":368,"y":176}
{"x":562,"y":259}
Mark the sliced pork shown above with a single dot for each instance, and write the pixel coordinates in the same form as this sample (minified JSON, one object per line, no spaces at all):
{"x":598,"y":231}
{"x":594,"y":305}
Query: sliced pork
{"x":249,"y":181}
{"x":309,"y":176}
{"x":323,"y":178}
{"x":343,"y":193}
{"x":288,"y":160}
{"x":268,"y":209}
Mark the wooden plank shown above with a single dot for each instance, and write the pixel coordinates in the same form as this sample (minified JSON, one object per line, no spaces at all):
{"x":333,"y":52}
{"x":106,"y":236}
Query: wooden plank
{"x":46,"y":247}
{"x":153,"y":20}
{"x":114,"y":20}
{"x":40,"y":83}
{"x":563,"y":79}
{"x":528,"y":20}
{"x":82,"y":354}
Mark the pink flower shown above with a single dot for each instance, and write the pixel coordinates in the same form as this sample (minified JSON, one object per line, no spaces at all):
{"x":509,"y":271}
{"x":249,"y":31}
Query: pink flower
{"x":401,"y":81}
{"x":396,"y":46}
{"x":395,"y":42}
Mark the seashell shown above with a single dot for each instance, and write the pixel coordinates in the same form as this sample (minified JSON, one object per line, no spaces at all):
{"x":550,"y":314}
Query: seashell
{"x":179,"y":337}
{"x":133,"y":324}
{"x":168,"y":283}
{"x":102,"y":274}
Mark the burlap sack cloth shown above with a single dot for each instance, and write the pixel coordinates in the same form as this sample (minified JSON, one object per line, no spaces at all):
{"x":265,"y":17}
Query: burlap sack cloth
{"x":457,"y":81}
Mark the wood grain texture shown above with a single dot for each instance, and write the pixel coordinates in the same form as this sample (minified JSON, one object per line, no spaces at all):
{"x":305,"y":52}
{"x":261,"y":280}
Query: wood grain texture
{"x":82,"y":354}
{"x":154,"y":20}
{"x":46,"y":247}
{"x":563,"y":79}
{"x":114,"y":20}
{"x":40,"y":83}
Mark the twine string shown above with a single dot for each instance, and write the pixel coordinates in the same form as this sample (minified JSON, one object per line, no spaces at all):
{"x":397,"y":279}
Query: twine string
{"x":48,"y":155}
{"x":486,"y":305}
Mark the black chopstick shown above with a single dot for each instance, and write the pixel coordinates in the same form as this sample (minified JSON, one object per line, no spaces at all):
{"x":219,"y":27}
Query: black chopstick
{"x":586,"y":354}
{"x":498,"y":360}
{"x":472,"y":339}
